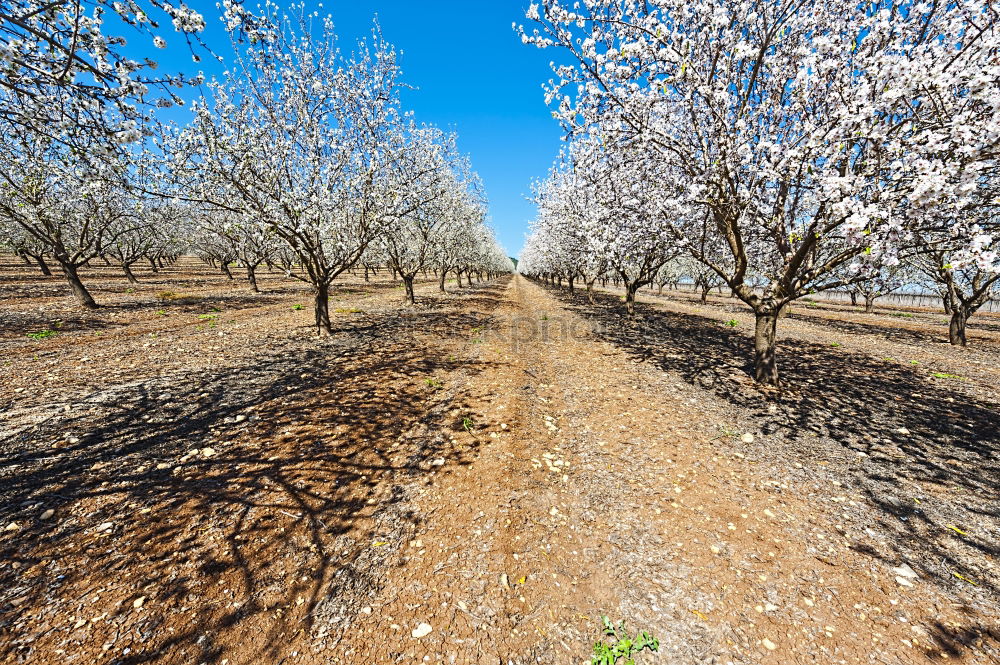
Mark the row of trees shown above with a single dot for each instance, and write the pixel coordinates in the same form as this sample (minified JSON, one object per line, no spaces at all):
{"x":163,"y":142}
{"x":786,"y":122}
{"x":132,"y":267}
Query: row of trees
{"x":298,"y":156}
{"x":781,"y":147}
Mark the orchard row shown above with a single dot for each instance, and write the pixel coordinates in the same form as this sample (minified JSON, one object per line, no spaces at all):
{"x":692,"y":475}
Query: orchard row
{"x":298,"y":156}
{"x":781,"y":148}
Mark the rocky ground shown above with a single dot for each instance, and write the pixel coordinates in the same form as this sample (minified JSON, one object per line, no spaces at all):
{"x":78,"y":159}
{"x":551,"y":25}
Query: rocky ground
{"x":195,"y":478}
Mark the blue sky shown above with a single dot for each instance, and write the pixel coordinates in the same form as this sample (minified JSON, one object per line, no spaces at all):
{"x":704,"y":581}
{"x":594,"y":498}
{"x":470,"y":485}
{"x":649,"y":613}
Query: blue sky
{"x":471,"y":74}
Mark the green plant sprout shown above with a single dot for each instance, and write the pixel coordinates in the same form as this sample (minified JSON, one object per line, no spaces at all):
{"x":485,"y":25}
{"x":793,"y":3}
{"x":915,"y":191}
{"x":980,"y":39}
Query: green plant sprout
{"x":732,"y":323}
{"x":945,"y":375}
{"x":624,"y":647}
{"x":297,"y":306}
{"x":467,"y":424}
{"x":41,"y":334}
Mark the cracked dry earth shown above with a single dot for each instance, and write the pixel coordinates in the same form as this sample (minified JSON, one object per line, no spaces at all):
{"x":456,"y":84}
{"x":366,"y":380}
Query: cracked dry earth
{"x":476,"y":480}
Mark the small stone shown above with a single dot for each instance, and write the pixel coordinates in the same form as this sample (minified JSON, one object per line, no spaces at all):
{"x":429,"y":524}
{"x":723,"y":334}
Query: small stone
{"x":904,"y":571}
{"x":162,"y":465}
{"x":207,"y":452}
{"x":902,"y":430}
{"x":747,"y":438}
{"x":902,"y":581}
{"x":768,"y":607}
{"x":106,"y":526}
{"x":462,"y":606}
{"x":240,"y":418}
{"x":48,"y":514}
{"x":553,"y":511}
{"x":13,"y":526}
{"x":139,"y":602}
{"x":438,"y":462}
{"x":503,"y":425}
{"x":416,"y":543}
{"x":366,"y":610}
{"x":422,"y":630}
{"x":769,"y":645}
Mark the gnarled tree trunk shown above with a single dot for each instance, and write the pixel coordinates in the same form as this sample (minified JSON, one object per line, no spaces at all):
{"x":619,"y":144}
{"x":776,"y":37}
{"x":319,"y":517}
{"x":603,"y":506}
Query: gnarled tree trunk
{"x":765,"y":366}
{"x":80,"y":291}
{"x":956,"y":327}
{"x":630,"y":289}
{"x":408,"y":284}
{"x":42,"y":265}
{"x":321,"y":308}
{"x":252,"y":278}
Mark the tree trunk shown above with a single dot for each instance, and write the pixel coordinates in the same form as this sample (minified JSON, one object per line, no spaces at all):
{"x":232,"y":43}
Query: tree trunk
{"x":590,"y":291}
{"x":252,"y":278}
{"x":154,"y":267}
{"x":946,"y":303}
{"x":224,"y":267}
{"x":367,"y":278}
{"x":441,"y":281}
{"x":630,"y":289}
{"x":764,"y":344}
{"x":854,"y":298}
{"x":408,"y":283}
{"x":458,"y":276}
{"x":705,"y":288}
{"x":659,"y":291}
{"x":42,"y":265}
{"x":80,"y":291}
{"x":956,"y":329}
{"x":870,"y":304}
{"x":321,"y":307}
{"x":129,"y":275}
{"x":571,"y":280}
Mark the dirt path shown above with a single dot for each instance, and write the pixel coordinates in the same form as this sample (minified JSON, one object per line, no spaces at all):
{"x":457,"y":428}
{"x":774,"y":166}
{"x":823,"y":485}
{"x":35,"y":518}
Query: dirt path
{"x":603,"y":488}
{"x":491,"y":464}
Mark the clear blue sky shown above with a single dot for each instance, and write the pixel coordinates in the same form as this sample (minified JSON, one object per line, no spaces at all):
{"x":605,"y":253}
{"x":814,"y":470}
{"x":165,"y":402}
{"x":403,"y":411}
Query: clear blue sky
{"x":472,"y":75}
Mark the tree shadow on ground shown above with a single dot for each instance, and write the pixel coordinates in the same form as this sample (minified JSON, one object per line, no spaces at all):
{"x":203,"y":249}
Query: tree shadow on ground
{"x":925,"y":453}
{"x":936,"y":323}
{"x":116,"y":315}
{"x":926,"y":336}
{"x":302,"y":493}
